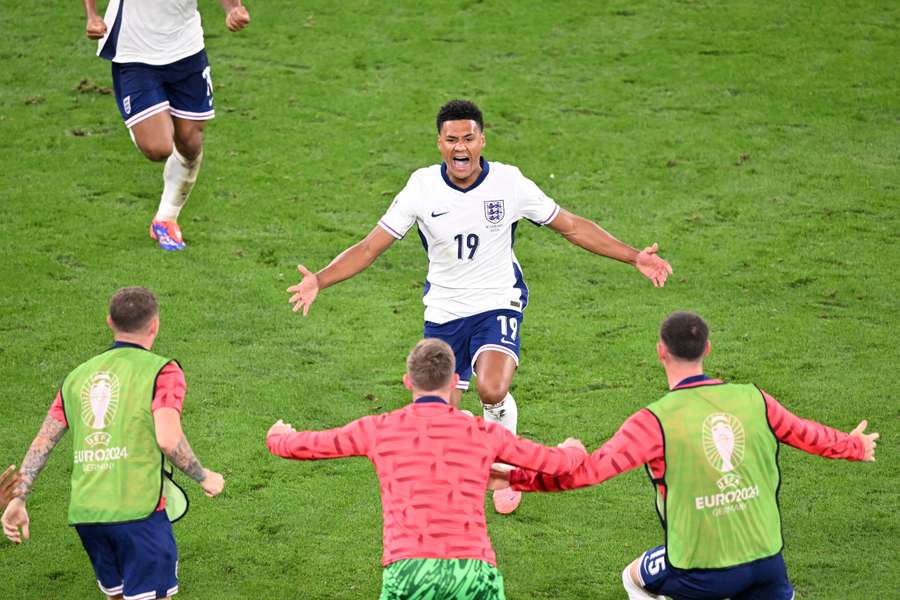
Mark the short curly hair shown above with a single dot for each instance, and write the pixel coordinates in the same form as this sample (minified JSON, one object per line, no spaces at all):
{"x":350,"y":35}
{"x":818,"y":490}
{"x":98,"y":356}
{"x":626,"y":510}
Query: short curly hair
{"x":458,"y":110}
{"x":132,"y":308}
{"x":685,"y":335}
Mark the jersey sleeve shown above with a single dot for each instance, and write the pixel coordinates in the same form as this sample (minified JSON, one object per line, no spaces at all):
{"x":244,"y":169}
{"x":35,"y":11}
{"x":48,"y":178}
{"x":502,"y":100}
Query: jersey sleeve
{"x":401,"y":214}
{"x":349,"y":440}
{"x":811,"y":436}
{"x":170,"y":388}
{"x":56,"y":410}
{"x":533,"y":203}
{"x":520,"y":452}
{"x":638,"y":441}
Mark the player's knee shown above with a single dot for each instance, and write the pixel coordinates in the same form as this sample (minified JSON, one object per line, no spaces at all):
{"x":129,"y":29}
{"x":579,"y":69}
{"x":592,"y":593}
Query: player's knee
{"x":157,"y":151}
{"x":492,"y":392}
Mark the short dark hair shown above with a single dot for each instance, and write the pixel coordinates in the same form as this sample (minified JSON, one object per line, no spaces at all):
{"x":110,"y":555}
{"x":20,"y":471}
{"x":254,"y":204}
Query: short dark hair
{"x":430,"y":365}
{"x":459,"y":110}
{"x":685,"y":335}
{"x":132,"y":308}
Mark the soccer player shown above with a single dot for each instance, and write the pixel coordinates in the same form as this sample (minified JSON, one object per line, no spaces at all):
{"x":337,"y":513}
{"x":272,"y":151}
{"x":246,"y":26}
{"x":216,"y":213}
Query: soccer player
{"x":9,"y":482}
{"x":711,"y":450}
{"x":466,"y":211}
{"x":433,"y":463}
{"x":124,"y":409}
{"x":163,"y":89}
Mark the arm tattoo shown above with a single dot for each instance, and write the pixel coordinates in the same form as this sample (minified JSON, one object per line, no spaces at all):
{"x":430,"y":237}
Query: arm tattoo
{"x":50,"y":433}
{"x":183,"y":457}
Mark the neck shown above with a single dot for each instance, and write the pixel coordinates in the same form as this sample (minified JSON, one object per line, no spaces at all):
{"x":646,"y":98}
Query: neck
{"x":141,"y":340}
{"x":443,"y":395}
{"x":677,"y":371}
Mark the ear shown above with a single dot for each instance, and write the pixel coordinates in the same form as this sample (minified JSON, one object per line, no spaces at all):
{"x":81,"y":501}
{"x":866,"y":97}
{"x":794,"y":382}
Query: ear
{"x":708,"y":348}
{"x":661,"y":351}
{"x":407,"y":382}
{"x":109,"y":322}
{"x":453,"y":381}
{"x":153,"y":326}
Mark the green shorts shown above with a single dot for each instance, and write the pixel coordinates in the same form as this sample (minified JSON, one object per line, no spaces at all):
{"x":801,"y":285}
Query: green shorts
{"x":441,"y":579}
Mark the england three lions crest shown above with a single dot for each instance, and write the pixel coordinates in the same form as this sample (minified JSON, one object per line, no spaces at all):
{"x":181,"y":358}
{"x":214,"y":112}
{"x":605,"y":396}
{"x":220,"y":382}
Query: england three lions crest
{"x":494,"y":211}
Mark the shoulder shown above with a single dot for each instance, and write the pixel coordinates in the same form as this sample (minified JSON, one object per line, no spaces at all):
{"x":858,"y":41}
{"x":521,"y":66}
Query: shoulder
{"x":426,"y":175}
{"x":504,"y":170}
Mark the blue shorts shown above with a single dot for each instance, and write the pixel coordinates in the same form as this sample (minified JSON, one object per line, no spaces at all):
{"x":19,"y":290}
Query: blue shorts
{"x":497,"y":330}
{"x":763,"y":579}
{"x":138,"y":559}
{"x":183,"y":88}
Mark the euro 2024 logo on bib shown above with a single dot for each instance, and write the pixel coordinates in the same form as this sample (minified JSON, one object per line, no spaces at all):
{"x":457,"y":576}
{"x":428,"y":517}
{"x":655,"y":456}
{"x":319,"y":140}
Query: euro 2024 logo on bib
{"x":99,"y":404}
{"x":724,"y":443}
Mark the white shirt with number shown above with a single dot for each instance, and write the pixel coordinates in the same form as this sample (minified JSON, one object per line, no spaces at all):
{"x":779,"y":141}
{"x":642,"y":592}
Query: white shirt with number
{"x":469,"y":236}
{"x":154,"y":32}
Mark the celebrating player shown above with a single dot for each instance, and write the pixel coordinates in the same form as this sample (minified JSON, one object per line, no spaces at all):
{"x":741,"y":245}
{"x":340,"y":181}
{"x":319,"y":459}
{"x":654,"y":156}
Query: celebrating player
{"x":124,"y":409}
{"x":711,"y":449}
{"x":163,"y":88}
{"x":466,"y":210}
{"x":433,"y":463}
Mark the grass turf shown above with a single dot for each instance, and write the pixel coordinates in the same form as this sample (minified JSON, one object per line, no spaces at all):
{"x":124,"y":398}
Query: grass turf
{"x":757,"y":143}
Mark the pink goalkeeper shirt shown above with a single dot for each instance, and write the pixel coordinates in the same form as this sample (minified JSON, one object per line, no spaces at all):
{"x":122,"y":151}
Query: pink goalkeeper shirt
{"x":639,"y":441}
{"x":433,"y":463}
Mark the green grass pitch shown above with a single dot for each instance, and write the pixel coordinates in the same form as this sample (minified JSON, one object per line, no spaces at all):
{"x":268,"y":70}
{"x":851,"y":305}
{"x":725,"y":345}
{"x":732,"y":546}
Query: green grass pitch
{"x":757,"y":142}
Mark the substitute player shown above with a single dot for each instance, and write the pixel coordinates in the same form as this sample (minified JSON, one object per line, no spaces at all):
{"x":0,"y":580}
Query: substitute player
{"x":124,"y":409}
{"x":433,"y":463}
{"x":466,"y":211}
{"x":163,"y":88}
{"x":711,"y":450}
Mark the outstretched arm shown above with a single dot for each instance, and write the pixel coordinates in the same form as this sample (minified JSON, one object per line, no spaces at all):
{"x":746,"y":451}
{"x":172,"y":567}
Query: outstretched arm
{"x":816,"y":438}
{"x":593,"y":238}
{"x":236,"y":16}
{"x":174,"y":445}
{"x":347,"y":264}
{"x":350,"y":440}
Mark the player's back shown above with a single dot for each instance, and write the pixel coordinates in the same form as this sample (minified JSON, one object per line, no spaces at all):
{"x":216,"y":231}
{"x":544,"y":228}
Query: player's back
{"x":433,"y":463}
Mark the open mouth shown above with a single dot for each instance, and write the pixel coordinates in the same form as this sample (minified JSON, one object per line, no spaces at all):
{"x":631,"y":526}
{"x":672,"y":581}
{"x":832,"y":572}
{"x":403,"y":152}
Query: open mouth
{"x":460,"y":162}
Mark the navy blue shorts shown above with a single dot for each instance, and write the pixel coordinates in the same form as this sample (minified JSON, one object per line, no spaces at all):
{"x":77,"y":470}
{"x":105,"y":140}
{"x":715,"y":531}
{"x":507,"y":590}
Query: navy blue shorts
{"x":763,"y":579}
{"x":183,"y":88}
{"x":138,"y":559}
{"x":497,"y":330}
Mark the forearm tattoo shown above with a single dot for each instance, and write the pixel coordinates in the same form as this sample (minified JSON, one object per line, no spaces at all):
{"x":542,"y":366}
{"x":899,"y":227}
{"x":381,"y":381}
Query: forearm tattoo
{"x":50,"y":433}
{"x":183,"y":457}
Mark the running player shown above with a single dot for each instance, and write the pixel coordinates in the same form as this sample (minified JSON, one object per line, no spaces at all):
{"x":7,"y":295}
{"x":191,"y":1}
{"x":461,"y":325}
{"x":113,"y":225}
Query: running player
{"x":466,"y":211}
{"x":711,"y":450}
{"x":124,"y":409}
{"x":163,"y":88}
{"x":433,"y":463}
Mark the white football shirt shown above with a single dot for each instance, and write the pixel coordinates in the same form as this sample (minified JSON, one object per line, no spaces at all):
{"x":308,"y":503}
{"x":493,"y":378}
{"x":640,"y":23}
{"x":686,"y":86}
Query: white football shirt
{"x":154,"y":32}
{"x":469,"y":236}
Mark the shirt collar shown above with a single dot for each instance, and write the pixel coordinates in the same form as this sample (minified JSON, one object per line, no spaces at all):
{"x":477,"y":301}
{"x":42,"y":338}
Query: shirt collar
{"x":485,"y":167}
{"x":429,"y":400}
{"x":692,"y":379}
{"x":120,"y":344}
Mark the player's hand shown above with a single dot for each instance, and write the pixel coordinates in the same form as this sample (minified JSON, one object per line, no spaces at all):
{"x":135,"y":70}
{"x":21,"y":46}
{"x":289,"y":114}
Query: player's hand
{"x":499,"y":478}
{"x":573,"y":443}
{"x":652,"y":266}
{"x":9,"y":481}
{"x":868,"y":440}
{"x":96,"y":27}
{"x":15,"y":521}
{"x":213,"y":483}
{"x":305,"y":292}
{"x":237,"y":18}
{"x":279,"y":428}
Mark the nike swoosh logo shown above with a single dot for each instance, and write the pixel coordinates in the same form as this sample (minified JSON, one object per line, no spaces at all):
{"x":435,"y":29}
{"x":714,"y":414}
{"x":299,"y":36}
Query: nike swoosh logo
{"x":434,"y":214}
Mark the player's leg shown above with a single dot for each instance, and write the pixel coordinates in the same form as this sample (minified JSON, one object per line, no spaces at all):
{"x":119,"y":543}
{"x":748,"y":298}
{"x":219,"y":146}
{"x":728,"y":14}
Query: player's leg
{"x":495,"y":356}
{"x":101,"y":551}
{"x":188,"y":87}
{"x":634,"y":587}
{"x":149,"y":557}
{"x":456,"y":334}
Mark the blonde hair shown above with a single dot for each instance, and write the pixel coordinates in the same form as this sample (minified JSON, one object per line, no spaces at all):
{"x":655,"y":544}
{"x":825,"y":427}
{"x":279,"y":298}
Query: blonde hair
{"x":430,"y":365}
